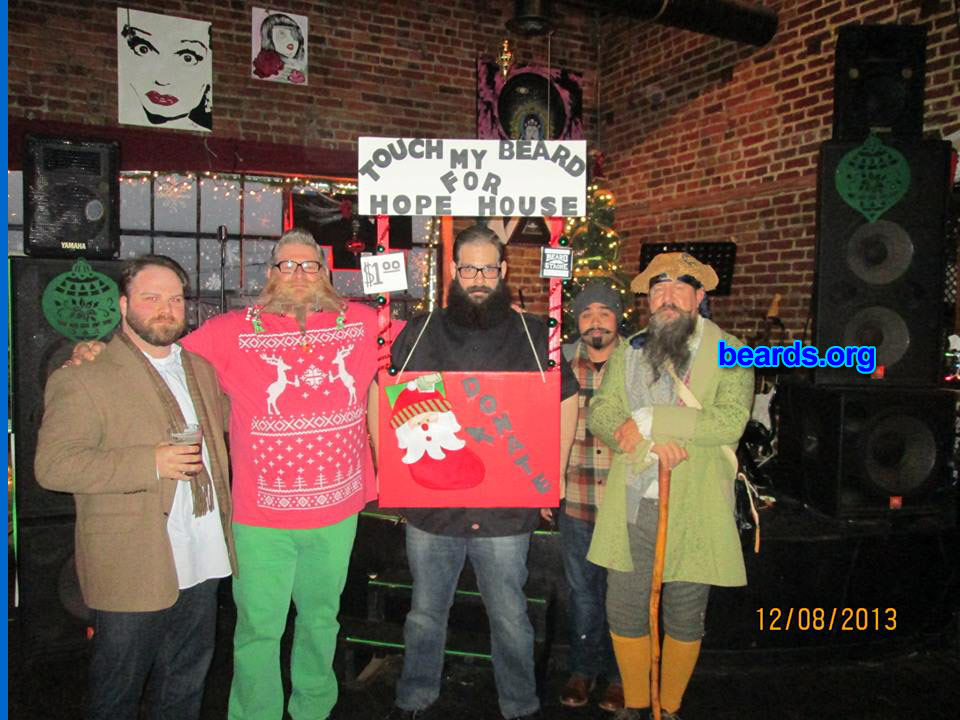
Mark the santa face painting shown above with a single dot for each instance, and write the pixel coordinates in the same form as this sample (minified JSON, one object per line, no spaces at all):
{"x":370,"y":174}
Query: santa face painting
{"x":429,"y":433}
{"x":426,"y":428}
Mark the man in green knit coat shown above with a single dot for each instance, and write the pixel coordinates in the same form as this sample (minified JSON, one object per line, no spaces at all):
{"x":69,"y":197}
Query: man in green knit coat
{"x":664,"y":399}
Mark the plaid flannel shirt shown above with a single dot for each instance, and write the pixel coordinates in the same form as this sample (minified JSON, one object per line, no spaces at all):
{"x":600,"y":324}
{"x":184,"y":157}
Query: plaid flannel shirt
{"x":589,"y":458}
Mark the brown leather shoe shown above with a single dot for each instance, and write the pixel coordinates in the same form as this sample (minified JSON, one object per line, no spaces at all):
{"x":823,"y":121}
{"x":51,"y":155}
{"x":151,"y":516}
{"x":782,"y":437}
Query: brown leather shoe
{"x":576,"y":693}
{"x":612,"y":699}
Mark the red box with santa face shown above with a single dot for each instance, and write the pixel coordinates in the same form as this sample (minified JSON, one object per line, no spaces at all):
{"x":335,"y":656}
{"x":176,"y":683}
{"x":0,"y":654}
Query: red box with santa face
{"x":459,"y":439}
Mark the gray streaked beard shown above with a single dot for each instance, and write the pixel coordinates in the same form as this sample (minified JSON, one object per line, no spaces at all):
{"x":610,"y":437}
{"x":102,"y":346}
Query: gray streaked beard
{"x":276,"y":300}
{"x":669,"y":341}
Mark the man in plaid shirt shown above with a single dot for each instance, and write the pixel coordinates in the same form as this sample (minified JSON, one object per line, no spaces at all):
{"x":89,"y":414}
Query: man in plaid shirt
{"x":598,"y":310}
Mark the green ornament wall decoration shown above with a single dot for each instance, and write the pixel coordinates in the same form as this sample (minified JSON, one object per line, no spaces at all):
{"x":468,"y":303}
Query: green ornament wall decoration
{"x":872,"y":178}
{"x":81,"y":304}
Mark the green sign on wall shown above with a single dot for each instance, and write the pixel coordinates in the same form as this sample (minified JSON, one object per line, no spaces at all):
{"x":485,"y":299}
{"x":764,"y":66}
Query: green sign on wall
{"x":81,"y":303}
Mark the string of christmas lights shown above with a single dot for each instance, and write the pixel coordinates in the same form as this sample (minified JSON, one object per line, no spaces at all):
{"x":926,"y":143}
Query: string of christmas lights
{"x":227,"y":185}
{"x":428,"y":265}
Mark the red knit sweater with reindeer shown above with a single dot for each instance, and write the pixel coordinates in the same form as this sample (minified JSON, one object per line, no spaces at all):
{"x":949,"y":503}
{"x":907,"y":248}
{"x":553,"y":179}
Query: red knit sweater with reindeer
{"x":298,"y":435}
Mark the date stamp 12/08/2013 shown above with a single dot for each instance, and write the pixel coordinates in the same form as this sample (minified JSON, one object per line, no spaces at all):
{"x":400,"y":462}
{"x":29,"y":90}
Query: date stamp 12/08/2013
{"x":847,"y":619}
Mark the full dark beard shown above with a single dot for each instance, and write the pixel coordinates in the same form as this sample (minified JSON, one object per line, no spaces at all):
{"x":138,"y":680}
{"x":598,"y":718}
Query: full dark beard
{"x":280,"y":299}
{"x":156,"y":335}
{"x":492,"y":311}
{"x":668,"y":340}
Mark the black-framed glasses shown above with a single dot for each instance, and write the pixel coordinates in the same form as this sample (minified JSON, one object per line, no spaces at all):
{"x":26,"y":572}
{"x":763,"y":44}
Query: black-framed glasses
{"x":288,"y":267}
{"x":469,"y":272}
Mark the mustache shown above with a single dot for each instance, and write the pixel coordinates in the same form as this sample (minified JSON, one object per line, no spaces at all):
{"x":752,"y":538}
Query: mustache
{"x":668,"y":306}
{"x":483,"y":289}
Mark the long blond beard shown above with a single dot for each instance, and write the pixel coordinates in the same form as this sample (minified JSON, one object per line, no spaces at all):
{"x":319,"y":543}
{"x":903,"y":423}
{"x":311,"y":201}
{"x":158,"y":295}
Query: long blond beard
{"x":279,"y":298}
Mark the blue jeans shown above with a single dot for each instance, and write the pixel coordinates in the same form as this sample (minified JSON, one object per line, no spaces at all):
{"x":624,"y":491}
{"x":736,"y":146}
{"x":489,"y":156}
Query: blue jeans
{"x":172,"y":647}
{"x":591,"y":651}
{"x":500,"y":564}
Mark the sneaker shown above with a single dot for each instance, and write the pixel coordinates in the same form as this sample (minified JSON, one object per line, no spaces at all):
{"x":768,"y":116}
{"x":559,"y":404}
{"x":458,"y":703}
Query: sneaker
{"x":576,"y":693}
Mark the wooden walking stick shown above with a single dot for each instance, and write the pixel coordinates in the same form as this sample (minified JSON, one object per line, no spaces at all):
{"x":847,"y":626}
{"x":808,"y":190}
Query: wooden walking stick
{"x":656,"y":584}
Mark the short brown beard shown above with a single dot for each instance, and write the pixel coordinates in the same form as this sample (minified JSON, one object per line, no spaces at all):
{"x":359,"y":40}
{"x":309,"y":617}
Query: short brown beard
{"x":280,"y":299}
{"x":145,"y":330}
{"x":668,"y":340}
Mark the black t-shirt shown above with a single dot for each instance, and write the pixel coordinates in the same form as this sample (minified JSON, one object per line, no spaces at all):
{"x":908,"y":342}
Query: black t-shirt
{"x":446,"y":346}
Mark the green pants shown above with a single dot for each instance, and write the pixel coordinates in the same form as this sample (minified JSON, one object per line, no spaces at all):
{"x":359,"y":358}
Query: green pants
{"x":273,"y":566}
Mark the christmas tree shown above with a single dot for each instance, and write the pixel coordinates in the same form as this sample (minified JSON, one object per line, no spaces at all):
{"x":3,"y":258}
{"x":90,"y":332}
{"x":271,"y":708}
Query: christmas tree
{"x":596,"y":251}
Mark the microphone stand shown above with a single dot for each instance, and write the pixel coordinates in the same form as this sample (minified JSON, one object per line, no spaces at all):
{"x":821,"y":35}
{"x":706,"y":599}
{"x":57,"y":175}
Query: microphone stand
{"x":222,"y":238}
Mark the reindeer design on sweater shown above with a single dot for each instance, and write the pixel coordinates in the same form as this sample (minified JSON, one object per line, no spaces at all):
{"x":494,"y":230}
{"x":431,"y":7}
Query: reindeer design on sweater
{"x":276,"y":388}
{"x":342,"y":375}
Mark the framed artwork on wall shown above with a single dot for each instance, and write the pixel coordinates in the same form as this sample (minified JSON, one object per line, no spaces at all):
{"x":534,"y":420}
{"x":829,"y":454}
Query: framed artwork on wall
{"x":532,"y":102}
{"x":164,"y":71}
{"x":278,"y":43}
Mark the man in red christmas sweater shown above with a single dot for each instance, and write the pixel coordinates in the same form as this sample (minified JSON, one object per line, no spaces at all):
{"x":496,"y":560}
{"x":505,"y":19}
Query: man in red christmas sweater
{"x":299,"y":370}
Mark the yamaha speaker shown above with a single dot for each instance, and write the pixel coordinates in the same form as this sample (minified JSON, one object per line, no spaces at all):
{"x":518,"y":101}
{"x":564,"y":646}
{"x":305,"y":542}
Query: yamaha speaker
{"x":871,"y":453}
{"x":72,"y":206}
{"x":880,"y":258}
{"x":53,"y":304}
{"x":51,"y":614}
{"x":878,"y":80}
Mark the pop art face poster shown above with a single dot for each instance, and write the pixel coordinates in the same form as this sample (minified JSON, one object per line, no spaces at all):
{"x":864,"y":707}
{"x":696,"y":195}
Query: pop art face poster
{"x":461,"y":439}
{"x":279,"y":47}
{"x":164,"y":71}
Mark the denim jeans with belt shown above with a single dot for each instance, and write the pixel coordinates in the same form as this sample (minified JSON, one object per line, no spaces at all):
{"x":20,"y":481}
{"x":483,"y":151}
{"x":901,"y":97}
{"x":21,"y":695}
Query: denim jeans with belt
{"x":172,"y":647}
{"x":500,"y":564}
{"x":591,"y":651}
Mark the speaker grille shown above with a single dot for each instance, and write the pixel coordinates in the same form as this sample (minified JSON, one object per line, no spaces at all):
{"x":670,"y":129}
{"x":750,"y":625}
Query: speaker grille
{"x":84,"y":162}
{"x":52,"y":615}
{"x":856,"y":449}
{"x":880,"y":281}
{"x":38,"y":350}
{"x":71,"y":199}
{"x":878,"y":80}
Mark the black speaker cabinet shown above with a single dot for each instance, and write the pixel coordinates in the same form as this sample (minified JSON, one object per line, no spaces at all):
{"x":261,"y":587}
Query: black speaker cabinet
{"x":51,"y":613}
{"x":871,"y":452}
{"x":878,"y":80}
{"x":880,"y":257}
{"x":71,"y":198}
{"x":80,"y":303}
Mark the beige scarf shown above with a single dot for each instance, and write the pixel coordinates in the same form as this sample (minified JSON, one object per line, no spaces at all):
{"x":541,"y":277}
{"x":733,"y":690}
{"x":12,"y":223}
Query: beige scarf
{"x":200,"y":484}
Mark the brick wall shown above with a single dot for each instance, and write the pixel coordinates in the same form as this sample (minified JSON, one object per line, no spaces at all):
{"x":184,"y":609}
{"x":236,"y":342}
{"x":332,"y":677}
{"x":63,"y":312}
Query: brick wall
{"x":711,"y":140}
{"x":706,"y":139}
{"x":393,"y":68}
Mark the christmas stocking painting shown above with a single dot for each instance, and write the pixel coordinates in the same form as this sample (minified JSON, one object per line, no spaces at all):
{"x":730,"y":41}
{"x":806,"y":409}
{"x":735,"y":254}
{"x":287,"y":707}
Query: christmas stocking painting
{"x":426,"y":428}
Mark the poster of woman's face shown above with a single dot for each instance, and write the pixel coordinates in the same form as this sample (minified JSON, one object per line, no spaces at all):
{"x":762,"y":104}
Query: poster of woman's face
{"x":279,"y":46}
{"x":164,"y":71}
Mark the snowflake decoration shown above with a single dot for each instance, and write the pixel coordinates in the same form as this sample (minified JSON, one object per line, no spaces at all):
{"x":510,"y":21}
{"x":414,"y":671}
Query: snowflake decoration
{"x":313,"y":376}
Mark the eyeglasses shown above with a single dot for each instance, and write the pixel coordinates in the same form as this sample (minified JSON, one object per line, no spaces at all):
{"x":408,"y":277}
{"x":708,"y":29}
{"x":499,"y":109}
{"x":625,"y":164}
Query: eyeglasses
{"x":469,"y":272}
{"x":288,"y":267}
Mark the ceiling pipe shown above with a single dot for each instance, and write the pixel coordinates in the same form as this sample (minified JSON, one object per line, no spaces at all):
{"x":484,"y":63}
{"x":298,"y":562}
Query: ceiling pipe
{"x":531,"y":18}
{"x":727,"y":19}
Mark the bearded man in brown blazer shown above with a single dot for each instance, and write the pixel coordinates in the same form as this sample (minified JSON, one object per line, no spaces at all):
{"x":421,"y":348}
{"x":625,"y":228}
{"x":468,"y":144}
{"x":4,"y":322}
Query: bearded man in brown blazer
{"x":153,"y":518}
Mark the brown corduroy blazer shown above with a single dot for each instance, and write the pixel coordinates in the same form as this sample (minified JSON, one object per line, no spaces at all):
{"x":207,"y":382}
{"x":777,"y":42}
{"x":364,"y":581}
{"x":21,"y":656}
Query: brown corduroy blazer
{"x":101,"y":423}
